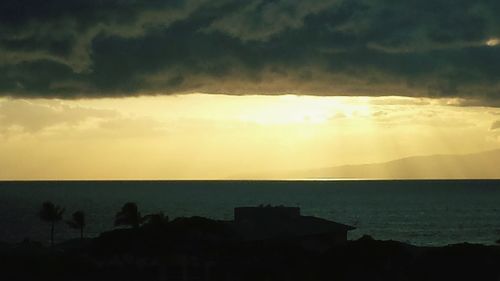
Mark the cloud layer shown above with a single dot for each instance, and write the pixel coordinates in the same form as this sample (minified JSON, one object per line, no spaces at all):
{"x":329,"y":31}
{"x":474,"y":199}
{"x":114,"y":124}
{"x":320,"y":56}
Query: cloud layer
{"x":83,"y":48}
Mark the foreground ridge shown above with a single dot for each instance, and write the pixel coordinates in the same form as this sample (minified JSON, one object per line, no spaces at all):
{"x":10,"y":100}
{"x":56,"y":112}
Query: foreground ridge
{"x":261,"y":243}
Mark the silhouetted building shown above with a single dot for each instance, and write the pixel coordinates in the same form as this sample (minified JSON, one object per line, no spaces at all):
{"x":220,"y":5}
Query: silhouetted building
{"x":279,"y":222}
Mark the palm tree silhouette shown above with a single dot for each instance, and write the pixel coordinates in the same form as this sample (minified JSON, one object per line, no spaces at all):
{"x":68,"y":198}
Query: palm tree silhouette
{"x":77,"y":222}
{"x":52,"y":214}
{"x":129,"y":215}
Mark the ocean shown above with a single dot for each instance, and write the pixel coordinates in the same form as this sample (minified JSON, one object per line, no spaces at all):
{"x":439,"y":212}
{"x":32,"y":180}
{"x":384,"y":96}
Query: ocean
{"x":422,"y":212}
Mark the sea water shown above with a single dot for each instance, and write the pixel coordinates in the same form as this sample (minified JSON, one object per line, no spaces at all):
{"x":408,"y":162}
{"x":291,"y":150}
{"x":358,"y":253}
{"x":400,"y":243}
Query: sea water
{"x":434,"y":212}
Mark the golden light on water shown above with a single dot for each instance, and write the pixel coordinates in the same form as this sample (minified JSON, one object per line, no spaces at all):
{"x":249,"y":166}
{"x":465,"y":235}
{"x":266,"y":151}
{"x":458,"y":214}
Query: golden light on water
{"x":493,"y":42}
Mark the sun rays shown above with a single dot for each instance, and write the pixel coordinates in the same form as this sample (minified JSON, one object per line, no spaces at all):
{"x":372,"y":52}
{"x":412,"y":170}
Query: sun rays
{"x":218,"y":136}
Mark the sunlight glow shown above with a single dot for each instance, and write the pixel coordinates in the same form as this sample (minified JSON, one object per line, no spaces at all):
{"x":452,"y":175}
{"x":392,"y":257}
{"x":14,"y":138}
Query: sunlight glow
{"x":292,"y":109}
{"x":202,"y":136}
{"x":493,"y":42}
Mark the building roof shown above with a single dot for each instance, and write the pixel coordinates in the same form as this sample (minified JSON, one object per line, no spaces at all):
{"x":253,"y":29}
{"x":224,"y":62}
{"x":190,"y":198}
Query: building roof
{"x":253,"y":224}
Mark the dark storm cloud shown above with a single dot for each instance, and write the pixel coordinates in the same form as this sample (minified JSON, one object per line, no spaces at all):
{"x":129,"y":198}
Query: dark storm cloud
{"x":88,"y":48}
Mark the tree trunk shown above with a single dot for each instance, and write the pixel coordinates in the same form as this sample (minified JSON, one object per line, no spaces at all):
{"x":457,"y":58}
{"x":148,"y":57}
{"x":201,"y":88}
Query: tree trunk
{"x":52,"y":234}
{"x":81,"y":233}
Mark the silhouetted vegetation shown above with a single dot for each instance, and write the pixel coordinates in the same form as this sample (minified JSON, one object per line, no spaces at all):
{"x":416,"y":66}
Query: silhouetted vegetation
{"x":155,"y":220}
{"x":52,"y":214}
{"x":129,"y":215}
{"x":197,"y":248}
{"x":77,"y":222}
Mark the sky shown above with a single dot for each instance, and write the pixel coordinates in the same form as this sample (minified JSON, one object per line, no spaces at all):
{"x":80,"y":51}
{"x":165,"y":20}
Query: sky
{"x":220,"y":89}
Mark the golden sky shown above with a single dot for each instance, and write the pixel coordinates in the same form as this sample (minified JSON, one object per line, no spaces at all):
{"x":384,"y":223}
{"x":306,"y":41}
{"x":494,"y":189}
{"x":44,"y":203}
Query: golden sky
{"x":202,"y":136}
{"x":113,"y":89}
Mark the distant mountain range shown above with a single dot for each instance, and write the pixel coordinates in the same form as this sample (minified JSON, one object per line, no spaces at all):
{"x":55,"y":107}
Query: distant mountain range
{"x":483,"y":165}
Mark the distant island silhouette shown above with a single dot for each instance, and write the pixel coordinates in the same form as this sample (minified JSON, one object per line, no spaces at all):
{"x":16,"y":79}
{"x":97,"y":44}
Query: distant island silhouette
{"x":481,"y":165}
{"x":260,"y":243}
